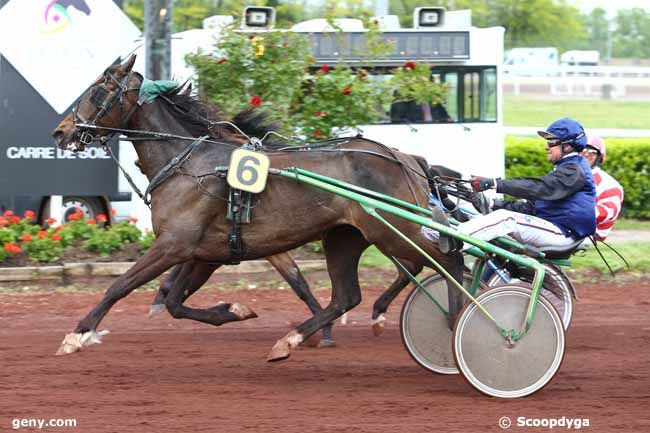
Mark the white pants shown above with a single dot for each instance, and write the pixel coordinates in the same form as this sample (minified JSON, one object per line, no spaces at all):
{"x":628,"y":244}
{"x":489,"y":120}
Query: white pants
{"x":526,"y":229}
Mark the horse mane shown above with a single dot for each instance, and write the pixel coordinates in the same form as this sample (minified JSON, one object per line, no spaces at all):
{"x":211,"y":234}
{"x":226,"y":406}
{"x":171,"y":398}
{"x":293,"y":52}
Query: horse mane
{"x":198,"y":116}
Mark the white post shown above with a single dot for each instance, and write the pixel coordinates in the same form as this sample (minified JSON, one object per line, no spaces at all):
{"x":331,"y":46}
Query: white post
{"x":56,"y":209}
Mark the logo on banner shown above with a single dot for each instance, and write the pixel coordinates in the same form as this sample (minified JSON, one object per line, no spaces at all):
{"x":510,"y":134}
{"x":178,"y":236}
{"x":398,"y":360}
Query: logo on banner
{"x":57,"y":17}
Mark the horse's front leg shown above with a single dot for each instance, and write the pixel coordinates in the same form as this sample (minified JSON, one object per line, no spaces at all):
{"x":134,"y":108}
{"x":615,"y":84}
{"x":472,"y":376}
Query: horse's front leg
{"x":152,"y":264}
{"x":193,"y":275}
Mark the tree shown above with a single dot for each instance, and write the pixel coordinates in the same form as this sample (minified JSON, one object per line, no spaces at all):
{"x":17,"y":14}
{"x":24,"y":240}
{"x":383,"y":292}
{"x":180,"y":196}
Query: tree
{"x":538,"y":23}
{"x":597,"y":29}
{"x":632,"y":36}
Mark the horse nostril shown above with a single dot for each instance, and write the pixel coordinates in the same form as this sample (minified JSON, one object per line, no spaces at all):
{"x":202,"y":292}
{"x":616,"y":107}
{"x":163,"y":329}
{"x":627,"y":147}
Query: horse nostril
{"x":58,"y":135}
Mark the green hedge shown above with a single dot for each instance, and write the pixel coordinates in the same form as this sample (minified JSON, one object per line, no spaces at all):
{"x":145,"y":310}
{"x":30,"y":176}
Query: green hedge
{"x":628,"y":160}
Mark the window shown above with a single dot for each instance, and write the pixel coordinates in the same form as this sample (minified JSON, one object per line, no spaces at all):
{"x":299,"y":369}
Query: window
{"x":471,"y":97}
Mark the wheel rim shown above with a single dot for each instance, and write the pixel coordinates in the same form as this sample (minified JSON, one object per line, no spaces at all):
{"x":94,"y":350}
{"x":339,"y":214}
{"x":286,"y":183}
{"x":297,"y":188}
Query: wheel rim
{"x":424,"y":329}
{"x":488,"y":364}
{"x":562,"y":303}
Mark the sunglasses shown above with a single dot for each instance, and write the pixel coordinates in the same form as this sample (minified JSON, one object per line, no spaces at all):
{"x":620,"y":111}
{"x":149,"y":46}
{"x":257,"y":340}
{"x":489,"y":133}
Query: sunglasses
{"x":553,"y":142}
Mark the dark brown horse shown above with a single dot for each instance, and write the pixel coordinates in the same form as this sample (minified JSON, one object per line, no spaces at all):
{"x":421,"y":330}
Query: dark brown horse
{"x":189,"y":210}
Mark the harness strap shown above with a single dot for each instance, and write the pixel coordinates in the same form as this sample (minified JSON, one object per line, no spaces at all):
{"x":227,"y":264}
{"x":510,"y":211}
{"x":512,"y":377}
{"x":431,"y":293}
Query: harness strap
{"x":168,"y":169}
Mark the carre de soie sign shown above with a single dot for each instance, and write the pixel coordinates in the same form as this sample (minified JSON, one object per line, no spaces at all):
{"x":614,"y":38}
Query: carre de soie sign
{"x":61,"y":46}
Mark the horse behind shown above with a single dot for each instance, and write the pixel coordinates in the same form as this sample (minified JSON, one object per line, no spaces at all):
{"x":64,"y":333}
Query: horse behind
{"x":189,"y":208}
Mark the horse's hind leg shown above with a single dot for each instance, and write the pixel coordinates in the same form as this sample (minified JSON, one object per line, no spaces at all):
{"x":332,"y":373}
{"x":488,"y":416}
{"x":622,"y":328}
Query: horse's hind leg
{"x":192,"y":276}
{"x":381,"y":304}
{"x":155,"y":261}
{"x":288,"y":268}
{"x":343,"y":247}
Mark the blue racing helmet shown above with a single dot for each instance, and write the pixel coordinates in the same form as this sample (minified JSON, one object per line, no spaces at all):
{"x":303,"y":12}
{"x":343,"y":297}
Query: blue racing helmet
{"x":566,"y":131}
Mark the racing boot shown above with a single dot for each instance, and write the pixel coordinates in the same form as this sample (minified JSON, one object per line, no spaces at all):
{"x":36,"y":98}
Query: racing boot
{"x":446,"y":244}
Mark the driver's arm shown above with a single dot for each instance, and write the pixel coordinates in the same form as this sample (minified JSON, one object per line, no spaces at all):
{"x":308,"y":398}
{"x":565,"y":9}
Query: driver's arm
{"x":562,"y":182}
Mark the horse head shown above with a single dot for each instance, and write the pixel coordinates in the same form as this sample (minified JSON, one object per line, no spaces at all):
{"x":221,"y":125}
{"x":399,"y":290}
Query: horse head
{"x":109,"y":103}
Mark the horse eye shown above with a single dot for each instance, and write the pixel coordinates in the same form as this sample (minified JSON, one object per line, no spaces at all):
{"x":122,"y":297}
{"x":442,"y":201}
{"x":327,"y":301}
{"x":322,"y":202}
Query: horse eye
{"x":98,"y":96}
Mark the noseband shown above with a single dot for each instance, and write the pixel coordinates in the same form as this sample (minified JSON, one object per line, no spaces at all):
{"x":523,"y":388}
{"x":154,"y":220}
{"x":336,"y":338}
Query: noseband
{"x":103,"y":99}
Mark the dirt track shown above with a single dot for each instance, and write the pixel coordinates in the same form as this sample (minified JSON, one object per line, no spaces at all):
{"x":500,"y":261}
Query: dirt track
{"x":163,"y":375}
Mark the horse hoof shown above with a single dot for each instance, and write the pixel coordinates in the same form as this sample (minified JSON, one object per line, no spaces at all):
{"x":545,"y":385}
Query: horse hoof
{"x":75,"y":341}
{"x":71,"y":343}
{"x":378,"y":325}
{"x":326,"y":342}
{"x":155,"y":309}
{"x":282,"y":348}
{"x":242,"y":311}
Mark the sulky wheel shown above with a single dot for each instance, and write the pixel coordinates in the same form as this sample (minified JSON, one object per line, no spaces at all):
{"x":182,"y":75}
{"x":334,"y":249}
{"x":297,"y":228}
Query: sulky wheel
{"x":423,"y":325}
{"x":486,"y":360}
{"x":557,"y":289}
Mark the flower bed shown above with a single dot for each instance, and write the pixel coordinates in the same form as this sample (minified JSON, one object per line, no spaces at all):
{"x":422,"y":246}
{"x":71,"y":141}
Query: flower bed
{"x":25,"y":243}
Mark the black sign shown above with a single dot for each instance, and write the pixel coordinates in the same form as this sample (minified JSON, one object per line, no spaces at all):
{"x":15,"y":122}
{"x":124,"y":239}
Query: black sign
{"x":29,"y":162}
{"x":411,"y":45}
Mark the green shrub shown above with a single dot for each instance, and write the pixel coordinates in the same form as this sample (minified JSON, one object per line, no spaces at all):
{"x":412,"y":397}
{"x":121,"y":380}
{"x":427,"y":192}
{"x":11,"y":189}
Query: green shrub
{"x":7,"y":235}
{"x":628,"y":160}
{"x":104,"y":242}
{"x":126,"y":231}
{"x":146,"y":241}
{"x":43,"y":249}
{"x":3,"y":255}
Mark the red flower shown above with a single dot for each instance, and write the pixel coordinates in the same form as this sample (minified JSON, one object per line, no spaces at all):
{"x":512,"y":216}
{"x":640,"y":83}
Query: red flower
{"x":133,"y":220}
{"x":26,"y":237}
{"x":50,"y":221}
{"x":9,"y":213}
{"x":252,"y":36}
{"x":410,"y":64}
{"x":11,"y":248}
{"x":42,"y":234}
{"x":91,"y":221}
{"x":221,"y":61}
{"x":30,"y":214}
{"x":347,"y":91}
{"x":3,"y":221}
{"x":14,"y":220}
{"x":326,"y":68}
{"x":113,"y":212}
{"x":320,"y":114}
{"x":256,"y":101}
{"x":57,"y":228}
{"x":55,"y":237}
{"x":318,"y":134}
{"x":75,"y":216}
{"x":101,"y":218}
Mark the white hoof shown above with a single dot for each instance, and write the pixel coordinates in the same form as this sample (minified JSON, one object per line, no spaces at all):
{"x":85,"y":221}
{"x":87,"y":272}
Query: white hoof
{"x":242,"y":311}
{"x":378,"y":325}
{"x":282,"y":348}
{"x":75,"y":341}
{"x":156,"y":309}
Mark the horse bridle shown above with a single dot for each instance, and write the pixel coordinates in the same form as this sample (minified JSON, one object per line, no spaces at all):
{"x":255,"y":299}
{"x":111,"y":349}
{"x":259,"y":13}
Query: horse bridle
{"x":103,"y":99}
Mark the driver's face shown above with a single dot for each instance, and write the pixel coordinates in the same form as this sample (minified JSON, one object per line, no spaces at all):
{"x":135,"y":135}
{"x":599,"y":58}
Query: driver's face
{"x":553,"y":151}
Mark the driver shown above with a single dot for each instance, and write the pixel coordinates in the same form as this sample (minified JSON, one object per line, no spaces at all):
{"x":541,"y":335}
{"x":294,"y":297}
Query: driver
{"x":559,"y":208}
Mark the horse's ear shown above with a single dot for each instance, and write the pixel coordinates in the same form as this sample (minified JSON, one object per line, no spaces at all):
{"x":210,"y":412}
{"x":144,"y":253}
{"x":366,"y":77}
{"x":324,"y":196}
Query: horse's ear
{"x":187,"y":91}
{"x":126,"y":67}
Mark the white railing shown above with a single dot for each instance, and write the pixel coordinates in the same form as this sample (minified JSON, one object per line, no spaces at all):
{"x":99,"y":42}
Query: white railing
{"x":576,"y":71}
